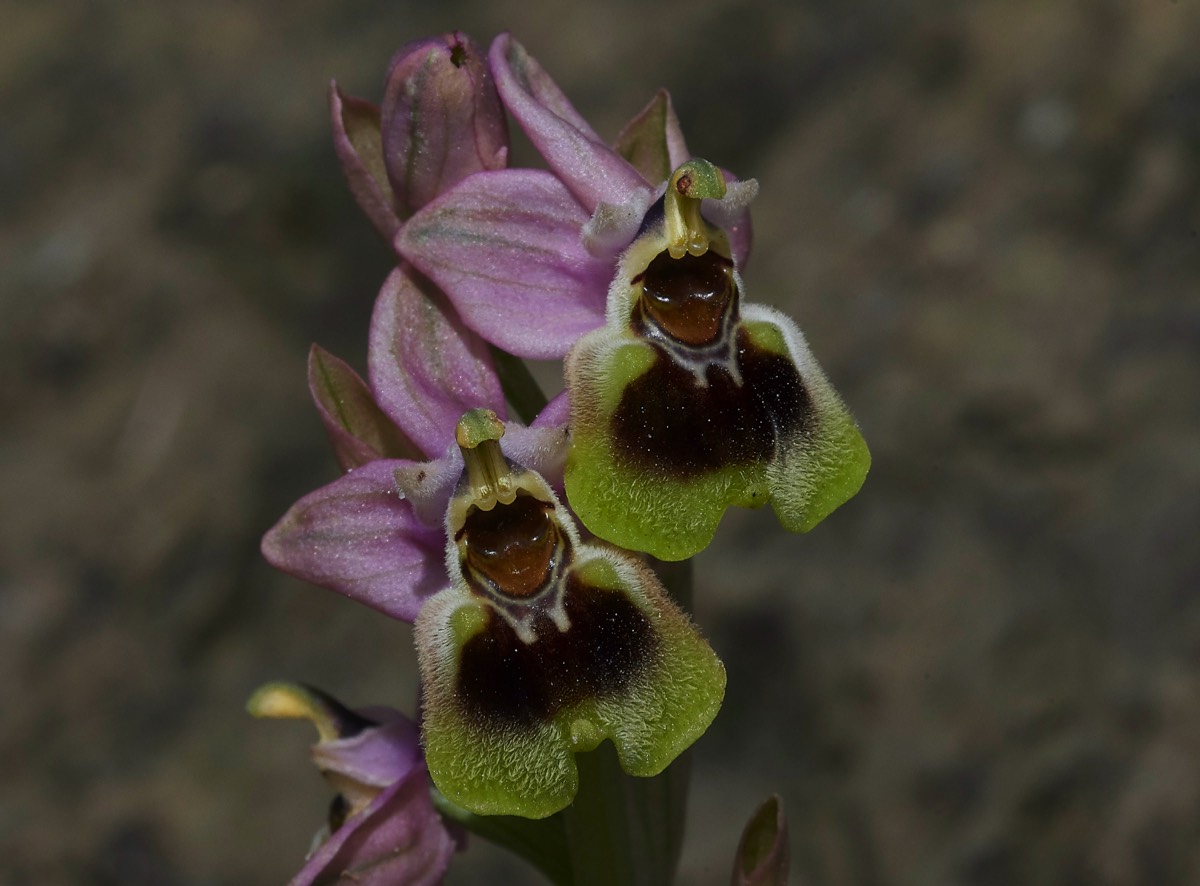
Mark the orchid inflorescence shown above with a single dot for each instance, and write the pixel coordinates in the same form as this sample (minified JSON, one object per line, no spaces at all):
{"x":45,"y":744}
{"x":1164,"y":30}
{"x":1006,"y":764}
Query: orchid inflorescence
{"x":518,"y":548}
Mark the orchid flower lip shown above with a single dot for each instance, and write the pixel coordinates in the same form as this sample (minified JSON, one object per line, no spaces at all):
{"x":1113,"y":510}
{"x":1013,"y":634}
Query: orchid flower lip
{"x":679,"y":362}
{"x":545,"y":643}
{"x":689,"y":308}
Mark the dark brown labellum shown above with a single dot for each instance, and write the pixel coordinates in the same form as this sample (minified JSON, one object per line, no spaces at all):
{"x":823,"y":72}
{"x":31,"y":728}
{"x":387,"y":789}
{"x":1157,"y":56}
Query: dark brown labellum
{"x":668,"y":422}
{"x":507,"y":682}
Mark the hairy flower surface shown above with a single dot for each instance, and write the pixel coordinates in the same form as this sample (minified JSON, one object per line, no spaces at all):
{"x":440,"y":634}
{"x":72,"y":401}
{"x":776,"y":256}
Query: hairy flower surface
{"x":527,"y":255}
{"x":688,"y":400}
{"x":544,"y":646}
{"x":382,"y":828}
{"x":535,"y":641}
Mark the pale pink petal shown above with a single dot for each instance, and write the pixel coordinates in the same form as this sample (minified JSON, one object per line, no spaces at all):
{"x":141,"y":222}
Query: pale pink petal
{"x":399,"y":838}
{"x":591,"y":170}
{"x":441,"y":119}
{"x":733,"y":214}
{"x":505,"y":248}
{"x":541,"y":449}
{"x":556,"y":412}
{"x":427,"y":486}
{"x":358,"y":537}
{"x":425,"y":368}
{"x":612,"y":228}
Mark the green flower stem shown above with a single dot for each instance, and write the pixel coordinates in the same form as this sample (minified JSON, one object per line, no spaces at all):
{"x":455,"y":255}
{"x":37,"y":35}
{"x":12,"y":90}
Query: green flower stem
{"x":622,"y":830}
{"x":541,"y":842}
{"x":521,"y":389}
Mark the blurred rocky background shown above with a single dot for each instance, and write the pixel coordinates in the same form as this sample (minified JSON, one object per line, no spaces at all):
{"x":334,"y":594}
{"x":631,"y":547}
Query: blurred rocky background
{"x":983,"y":670}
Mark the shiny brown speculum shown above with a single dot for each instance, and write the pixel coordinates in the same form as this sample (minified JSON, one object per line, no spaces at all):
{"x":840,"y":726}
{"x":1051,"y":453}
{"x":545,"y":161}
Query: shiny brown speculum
{"x":548,"y":638}
{"x":712,"y":398}
{"x":689,"y":299}
{"x":511,"y":548}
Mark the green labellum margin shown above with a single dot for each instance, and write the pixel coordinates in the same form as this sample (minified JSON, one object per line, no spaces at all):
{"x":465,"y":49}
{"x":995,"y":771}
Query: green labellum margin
{"x":678,"y":413}
{"x":543,"y":647}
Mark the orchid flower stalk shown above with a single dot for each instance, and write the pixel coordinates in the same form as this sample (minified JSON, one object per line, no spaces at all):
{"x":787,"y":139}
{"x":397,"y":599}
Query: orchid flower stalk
{"x":562,"y":679}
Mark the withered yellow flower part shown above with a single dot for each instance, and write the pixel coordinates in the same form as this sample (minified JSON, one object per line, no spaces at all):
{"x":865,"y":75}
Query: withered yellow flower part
{"x":381,"y":827}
